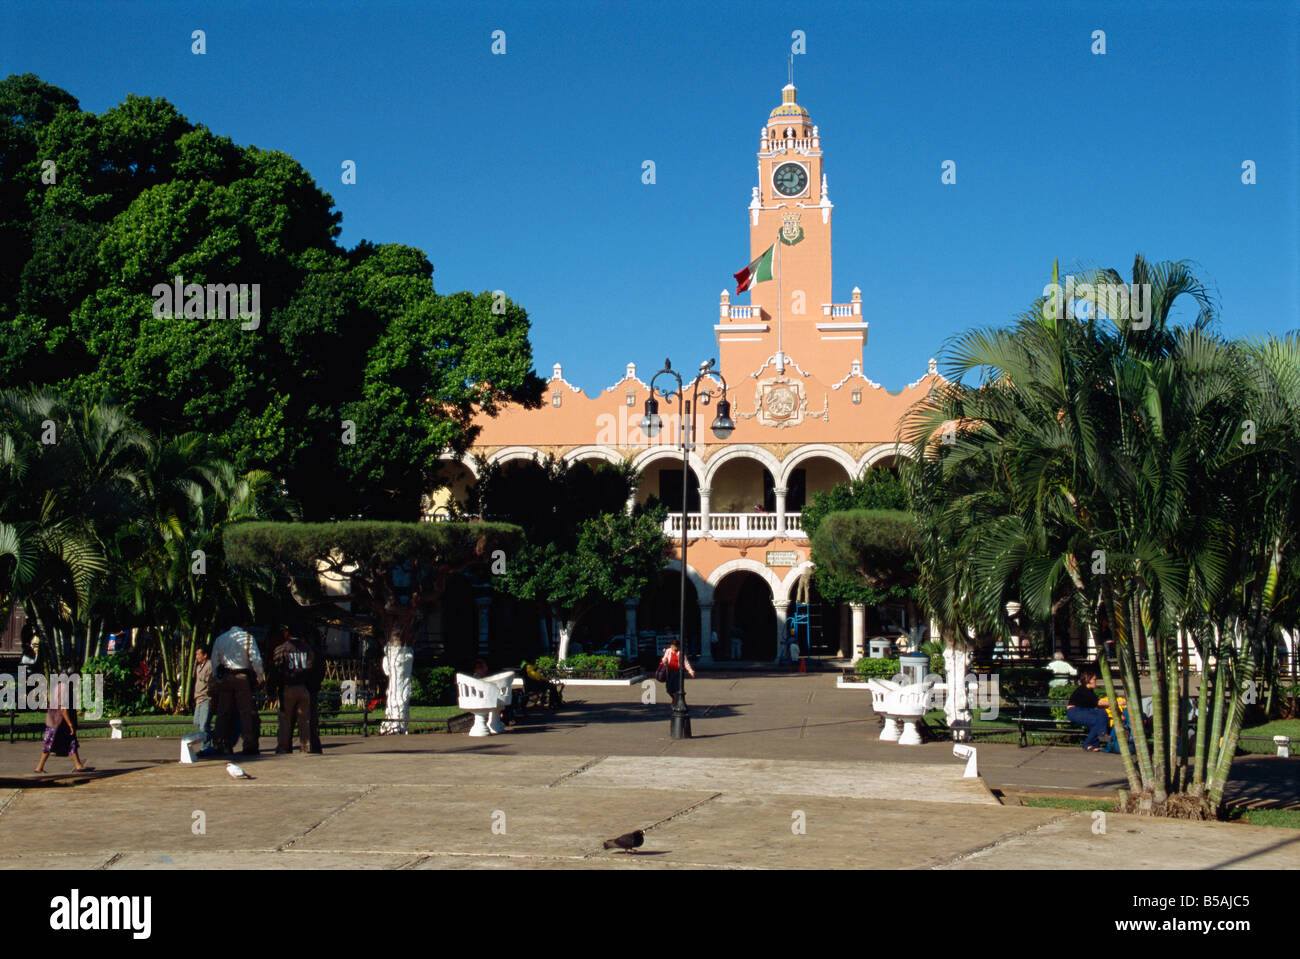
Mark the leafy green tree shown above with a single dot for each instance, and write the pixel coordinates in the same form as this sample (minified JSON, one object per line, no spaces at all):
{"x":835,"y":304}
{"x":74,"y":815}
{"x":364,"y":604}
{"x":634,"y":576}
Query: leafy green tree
{"x":615,"y":558}
{"x":141,"y":195}
{"x":879,"y":489}
{"x":583,"y":548}
{"x":864,"y":556}
{"x":389,"y":573}
{"x":865,"y":520}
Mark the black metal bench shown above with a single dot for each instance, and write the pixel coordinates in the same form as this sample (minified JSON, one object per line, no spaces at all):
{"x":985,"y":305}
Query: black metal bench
{"x":1034,"y":714}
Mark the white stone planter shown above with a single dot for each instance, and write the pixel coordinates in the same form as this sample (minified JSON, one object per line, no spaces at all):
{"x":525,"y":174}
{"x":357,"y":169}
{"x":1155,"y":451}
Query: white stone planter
{"x":485,"y":698}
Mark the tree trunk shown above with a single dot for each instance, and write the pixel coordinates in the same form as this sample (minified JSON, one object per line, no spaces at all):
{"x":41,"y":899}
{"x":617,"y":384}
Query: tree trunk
{"x":1202,"y":722}
{"x":1133,"y":768}
{"x":956,"y":664}
{"x":1160,"y":745}
{"x":397,"y":667}
{"x":1219,"y":775}
{"x":566,"y":631}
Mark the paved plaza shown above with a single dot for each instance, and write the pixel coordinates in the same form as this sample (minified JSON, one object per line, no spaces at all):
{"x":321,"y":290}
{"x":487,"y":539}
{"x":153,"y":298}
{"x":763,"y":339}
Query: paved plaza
{"x":783,"y":771}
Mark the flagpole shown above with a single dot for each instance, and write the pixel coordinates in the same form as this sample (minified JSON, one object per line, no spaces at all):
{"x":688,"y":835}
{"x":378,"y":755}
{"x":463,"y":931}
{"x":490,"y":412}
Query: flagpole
{"x":780,"y":350}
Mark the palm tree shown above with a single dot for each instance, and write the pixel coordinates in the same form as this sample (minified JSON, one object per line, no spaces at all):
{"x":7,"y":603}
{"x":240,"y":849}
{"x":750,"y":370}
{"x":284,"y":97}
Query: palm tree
{"x":1115,"y":444}
{"x":49,"y":559}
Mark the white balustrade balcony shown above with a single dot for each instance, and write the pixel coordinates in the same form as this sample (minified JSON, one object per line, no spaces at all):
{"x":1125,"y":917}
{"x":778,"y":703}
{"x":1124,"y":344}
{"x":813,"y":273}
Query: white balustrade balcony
{"x":734,"y":525}
{"x":835,"y":310}
{"x":783,"y":144}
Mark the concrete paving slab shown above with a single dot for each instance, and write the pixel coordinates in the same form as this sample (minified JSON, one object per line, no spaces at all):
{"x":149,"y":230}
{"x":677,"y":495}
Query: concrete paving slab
{"x":493,"y":820}
{"x":1141,"y":843}
{"x":857,"y":780}
{"x":759,"y":832}
{"x":108,"y":818}
{"x":410,"y":766}
{"x":44,"y":860}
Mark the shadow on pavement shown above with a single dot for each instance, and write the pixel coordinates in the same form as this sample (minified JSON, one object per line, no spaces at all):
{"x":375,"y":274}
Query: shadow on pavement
{"x":72,"y":778}
{"x":1264,"y":782}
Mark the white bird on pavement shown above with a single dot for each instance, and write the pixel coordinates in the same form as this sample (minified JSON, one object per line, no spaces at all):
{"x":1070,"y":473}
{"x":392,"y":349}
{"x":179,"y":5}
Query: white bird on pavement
{"x":237,"y":771}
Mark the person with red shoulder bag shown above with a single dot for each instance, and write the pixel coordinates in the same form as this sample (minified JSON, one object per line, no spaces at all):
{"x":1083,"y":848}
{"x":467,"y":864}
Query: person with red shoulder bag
{"x":670,"y":669}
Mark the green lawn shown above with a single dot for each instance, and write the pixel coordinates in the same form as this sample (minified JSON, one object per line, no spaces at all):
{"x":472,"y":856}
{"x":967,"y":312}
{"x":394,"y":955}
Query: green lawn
{"x":1282,"y":818}
{"x":991,"y":731}
{"x":1063,"y":802}
{"x":1278,"y":727}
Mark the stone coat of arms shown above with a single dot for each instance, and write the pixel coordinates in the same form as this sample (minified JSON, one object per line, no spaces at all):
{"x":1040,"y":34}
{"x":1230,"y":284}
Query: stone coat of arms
{"x":781,"y":402}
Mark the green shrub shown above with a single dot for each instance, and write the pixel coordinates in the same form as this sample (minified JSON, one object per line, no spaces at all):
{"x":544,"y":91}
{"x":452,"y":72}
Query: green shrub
{"x":1059,"y":692}
{"x":545,"y":664}
{"x":433,"y":686}
{"x":122,"y":693}
{"x":329,"y":699}
{"x":607,"y":666}
{"x":886,"y":668}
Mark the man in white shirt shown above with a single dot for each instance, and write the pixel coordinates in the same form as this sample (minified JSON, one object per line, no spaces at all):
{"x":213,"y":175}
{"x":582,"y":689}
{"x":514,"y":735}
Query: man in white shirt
{"x":236,"y":663}
{"x":1062,"y":672}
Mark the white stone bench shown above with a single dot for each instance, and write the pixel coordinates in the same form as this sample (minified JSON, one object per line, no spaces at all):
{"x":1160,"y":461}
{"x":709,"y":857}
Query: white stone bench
{"x":485,"y":698}
{"x":899,"y":703}
{"x":881,"y":690}
{"x":909,"y":704}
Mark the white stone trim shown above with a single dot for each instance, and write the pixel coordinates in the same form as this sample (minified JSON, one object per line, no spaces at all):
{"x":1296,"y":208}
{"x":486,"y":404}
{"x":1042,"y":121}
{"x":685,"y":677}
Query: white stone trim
{"x":550,"y":384}
{"x":933,"y":370}
{"x":467,"y":460}
{"x":826,"y":450}
{"x":740,"y":327}
{"x":747,"y":565}
{"x":634,"y":378}
{"x":884,"y":451}
{"x":740,"y":451}
{"x":607,"y":453}
{"x":772,"y":360}
{"x":842,"y":327}
{"x":664,"y":452}
{"x":508,"y":454}
{"x":703,"y":588}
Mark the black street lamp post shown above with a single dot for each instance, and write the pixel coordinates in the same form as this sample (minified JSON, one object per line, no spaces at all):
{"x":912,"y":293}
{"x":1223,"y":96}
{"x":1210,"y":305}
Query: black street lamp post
{"x":722,"y":427}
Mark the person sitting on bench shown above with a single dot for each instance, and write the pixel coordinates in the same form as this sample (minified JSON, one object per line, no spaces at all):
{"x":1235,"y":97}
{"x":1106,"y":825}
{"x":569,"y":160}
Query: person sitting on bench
{"x":1084,"y":710}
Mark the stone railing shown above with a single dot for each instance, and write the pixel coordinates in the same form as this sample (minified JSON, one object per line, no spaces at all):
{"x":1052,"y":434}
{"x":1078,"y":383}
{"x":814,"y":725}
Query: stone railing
{"x":734,"y":525}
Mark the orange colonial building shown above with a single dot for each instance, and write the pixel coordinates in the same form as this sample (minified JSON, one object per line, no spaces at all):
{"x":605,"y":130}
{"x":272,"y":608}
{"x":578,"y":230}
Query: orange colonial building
{"x":807,"y":418}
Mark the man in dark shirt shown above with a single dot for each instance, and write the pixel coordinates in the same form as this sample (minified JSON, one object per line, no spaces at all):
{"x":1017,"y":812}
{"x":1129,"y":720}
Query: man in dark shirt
{"x":294,"y":662}
{"x":1084,"y":710}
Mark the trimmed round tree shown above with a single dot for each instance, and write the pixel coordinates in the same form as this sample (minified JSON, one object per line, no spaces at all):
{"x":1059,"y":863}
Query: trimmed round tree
{"x":864,"y":555}
{"x":388,"y":574}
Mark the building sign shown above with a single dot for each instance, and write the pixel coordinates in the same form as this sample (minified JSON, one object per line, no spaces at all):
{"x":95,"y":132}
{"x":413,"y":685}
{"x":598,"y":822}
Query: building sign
{"x":782,"y":557}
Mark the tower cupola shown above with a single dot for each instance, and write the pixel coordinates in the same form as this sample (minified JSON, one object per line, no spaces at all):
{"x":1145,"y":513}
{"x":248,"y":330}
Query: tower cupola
{"x":789,"y":121}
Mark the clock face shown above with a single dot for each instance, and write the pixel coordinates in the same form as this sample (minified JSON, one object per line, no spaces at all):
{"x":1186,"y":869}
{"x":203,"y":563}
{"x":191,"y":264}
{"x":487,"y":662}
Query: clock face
{"x":790,"y":179}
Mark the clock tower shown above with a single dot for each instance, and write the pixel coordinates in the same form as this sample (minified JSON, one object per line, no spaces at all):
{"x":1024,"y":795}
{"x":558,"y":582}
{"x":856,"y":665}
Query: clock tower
{"x":791,"y":317}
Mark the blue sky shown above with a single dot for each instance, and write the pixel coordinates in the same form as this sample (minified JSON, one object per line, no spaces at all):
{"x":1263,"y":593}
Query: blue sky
{"x":522,"y":172}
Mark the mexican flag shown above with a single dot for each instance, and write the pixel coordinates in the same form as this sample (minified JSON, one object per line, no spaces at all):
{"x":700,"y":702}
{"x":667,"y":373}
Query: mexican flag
{"x":756,"y":272}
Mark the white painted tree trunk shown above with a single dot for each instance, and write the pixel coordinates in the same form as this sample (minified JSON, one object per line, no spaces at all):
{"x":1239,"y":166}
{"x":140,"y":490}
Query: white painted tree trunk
{"x":397,"y":667}
{"x":566,"y":632}
{"x":957,"y":707}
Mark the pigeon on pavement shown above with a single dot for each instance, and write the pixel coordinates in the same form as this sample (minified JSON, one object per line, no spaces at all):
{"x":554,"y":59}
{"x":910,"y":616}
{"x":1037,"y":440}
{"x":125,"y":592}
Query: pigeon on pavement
{"x":627,"y":842}
{"x":237,"y":771}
